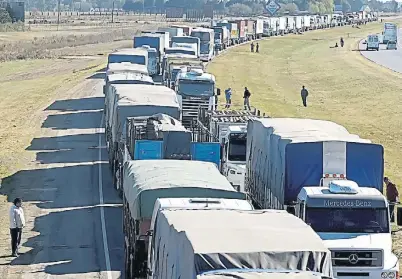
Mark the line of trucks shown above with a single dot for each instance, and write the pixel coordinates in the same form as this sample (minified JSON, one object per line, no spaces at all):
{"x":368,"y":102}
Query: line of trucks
{"x":234,"y":193}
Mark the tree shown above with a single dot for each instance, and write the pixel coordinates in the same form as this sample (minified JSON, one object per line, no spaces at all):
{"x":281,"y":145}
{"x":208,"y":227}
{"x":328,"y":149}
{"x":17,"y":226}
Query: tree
{"x":290,"y":7}
{"x":240,"y":10}
{"x":4,"y":16}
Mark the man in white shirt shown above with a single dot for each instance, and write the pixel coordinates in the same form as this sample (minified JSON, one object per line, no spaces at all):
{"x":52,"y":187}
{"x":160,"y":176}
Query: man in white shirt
{"x":17,"y":222}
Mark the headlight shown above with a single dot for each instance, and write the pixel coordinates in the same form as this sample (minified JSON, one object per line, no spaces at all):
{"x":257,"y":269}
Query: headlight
{"x":390,"y":274}
{"x":232,"y":172}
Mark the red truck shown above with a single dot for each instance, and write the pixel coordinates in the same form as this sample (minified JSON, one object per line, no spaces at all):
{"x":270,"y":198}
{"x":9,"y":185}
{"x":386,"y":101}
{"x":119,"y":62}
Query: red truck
{"x":241,"y":26}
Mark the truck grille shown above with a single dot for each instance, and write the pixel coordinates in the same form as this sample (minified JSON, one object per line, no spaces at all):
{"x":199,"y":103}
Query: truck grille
{"x":360,"y":258}
{"x":190,"y":109}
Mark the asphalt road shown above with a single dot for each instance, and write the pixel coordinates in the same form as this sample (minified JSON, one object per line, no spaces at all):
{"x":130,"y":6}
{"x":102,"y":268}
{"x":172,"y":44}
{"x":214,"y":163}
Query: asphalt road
{"x":391,"y":59}
{"x":77,"y":226}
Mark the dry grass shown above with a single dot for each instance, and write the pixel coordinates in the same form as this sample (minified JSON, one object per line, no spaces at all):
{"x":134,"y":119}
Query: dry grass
{"x":344,"y":87}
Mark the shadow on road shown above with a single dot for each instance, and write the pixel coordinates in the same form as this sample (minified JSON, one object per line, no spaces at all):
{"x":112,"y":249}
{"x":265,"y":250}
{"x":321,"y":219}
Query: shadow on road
{"x":92,"y":103}
{"x":79,"y":120}
{"x":69,"y":233}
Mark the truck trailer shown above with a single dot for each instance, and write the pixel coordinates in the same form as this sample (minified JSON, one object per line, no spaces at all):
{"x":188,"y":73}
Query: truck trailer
{"x":191,"y":243}
{"x":145,"y":181}
{"x":331,"y":179}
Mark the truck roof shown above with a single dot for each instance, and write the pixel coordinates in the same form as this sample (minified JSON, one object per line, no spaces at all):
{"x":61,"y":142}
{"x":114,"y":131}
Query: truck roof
{"x":309,"y":130}
{"x":126,"y":67}
{"x":202,"y":29}
{"x":191,"y":76}
{"x":222,"y":239}
{"x":129,"y":76}
{"x":146,"y":180}
{"x":261,"y":274}
{"x":200,"y":203}
{"x":131,"y":51}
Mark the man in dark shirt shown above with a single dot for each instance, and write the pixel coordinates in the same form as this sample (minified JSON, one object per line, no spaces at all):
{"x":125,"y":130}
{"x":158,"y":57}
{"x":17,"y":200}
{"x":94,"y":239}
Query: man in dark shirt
{"x":392,"y":196}
{"x":304,"y":94}
{"x":246,"y":98}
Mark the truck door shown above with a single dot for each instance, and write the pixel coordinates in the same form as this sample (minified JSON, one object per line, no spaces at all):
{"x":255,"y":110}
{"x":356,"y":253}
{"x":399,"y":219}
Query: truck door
{"x":206,"y":151}
{"x":147,"y":150}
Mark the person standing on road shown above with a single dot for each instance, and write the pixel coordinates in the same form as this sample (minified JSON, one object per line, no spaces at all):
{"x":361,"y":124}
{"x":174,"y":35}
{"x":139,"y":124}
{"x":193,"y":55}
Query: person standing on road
{"x":257,"y":48}
{"x":392,"y":197}
{"x":304,"y":94}
{"x":246,"y":98}
{"x":228,"y":95}
{"x":252,"y":47}
{"x":17,"y":222}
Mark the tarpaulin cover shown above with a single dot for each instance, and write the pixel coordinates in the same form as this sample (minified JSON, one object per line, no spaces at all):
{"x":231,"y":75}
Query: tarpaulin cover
{"x":146,"y":180}
{"x":125,"y":67}
{"x":244,"y":274}
{"x":191,"y":242}
{"x":132,"y":100}
{"x":285,"y":154}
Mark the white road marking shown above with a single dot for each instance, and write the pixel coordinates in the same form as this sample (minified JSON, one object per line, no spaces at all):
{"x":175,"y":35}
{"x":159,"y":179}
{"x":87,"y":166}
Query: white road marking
{"x":102,"y":210}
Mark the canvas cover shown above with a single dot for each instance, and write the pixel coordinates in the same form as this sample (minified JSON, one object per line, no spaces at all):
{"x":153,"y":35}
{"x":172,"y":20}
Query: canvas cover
{"x":244,"y":274}
{"x":125,"y":67}
{"x":191,"y":242}
{"x":146,"y":180}
{"x":288,"y":154}
{"x":134,"y":100}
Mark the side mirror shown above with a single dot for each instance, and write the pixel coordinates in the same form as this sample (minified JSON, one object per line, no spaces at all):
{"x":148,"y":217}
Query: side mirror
{"x":104,"y":90}
{"x":218,"y":92}
{"x":399,"y":216}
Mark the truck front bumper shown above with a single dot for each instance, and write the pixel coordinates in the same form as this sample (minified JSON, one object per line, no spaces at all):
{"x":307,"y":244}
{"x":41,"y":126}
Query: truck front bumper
{"x":369,"y":273}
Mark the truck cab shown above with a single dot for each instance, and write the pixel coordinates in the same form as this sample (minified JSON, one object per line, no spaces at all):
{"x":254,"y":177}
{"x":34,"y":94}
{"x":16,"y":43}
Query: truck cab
{"x":153,"y":61}
{"x":373,"y":42}
{"x":234,"y":144}
{"x":354,"y":223}
{"x":195,"y":88}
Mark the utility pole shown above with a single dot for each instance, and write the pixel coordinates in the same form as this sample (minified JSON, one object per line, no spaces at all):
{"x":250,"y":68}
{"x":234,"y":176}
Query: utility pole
{"x":58,"y":14}
{"x":113,"y":12}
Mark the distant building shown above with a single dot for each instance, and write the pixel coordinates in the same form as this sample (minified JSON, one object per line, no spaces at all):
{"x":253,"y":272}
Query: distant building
{"x":16,"y":10}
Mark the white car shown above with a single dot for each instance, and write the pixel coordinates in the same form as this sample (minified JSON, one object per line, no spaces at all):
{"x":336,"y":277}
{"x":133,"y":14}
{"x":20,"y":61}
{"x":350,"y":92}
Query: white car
{"x":373,"y":42}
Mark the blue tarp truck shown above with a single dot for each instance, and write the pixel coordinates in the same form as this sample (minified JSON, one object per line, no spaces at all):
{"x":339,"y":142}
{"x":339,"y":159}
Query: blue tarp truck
{"x":284,"y":155}
{"x":154,"y":41}
{"x":331,"y":179}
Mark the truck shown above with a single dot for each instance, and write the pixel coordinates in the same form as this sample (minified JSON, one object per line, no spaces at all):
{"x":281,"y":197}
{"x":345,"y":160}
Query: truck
{"x":282,"y":27}
{"x":233,"y":248}
{"x":177,"y":66}
{"x":181,"y":50}
{"x":152,"y":42}
{"x":176,"y":58}
{"x":390,"y":32}
{"x":250,"y":29}
{"x":306,"y":23}
{"x":331,"y":179}
{"x":241,"y":26}
{"x":144,"y":181}
{"x":259,"y":28}
{"x":187,"y":40}
{"x":298,"y":23}
{"x":173,"y":31}
{"x":229,"y":128}
{"x":165,"y":37}
{"x":290,"y":24}
{"x":186,"y":29}
{"x":222,"y":37}
{"x":134,"y":100}
{"x":133,"y":55}
{"x":232,"y":30}
{"x":207,"y":42}
{"x":195,"y":89}
{"x":125,"y":78}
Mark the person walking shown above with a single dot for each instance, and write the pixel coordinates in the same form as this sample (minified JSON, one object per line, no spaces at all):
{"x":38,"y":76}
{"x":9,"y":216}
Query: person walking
{"x":392,"y":197}
{"x":252,"y":47}
{"x":246,"y":98}
{"x":257,"y":48}
{"x":228,"y":95}
{"x":17,"y":222}
{"x":304,"y":94}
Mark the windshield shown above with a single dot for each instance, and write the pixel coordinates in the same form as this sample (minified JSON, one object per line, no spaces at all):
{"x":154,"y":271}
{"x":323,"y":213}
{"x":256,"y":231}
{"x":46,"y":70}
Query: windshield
{"x":182,"y":51}
{"x":204,"y":49}
{"x":152,"y":54}
{"x":237,"y":149}
{"x":119,"y":58}
{"x":196,"y":88}
{"x":203,"y":36}
{"x":348,"y":220}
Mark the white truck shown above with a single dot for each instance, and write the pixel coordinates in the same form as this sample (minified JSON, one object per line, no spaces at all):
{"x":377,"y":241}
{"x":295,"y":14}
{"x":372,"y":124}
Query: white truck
{"x":190,"y":243}
{"x":229,"y":128}
{"x":259,"y":28}
{"x":331,"y":179}
{"x":390,"y":32}
{"x":373,"y":42}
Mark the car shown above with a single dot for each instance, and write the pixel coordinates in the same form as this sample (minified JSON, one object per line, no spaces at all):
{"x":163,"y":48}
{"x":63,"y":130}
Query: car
{"x":391,"y":45}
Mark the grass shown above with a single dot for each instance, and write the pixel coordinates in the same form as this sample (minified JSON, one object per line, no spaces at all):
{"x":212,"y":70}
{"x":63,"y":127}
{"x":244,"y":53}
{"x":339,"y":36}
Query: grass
{"x":344,"y":87}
